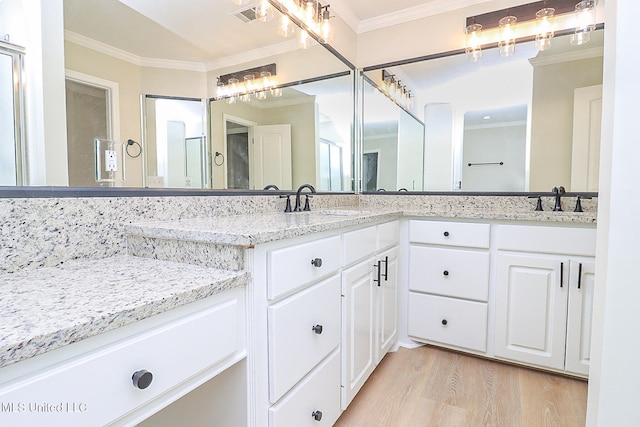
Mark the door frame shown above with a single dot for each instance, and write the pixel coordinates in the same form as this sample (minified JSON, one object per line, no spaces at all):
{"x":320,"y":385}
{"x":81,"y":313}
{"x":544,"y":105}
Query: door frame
{"x":240,"y":121}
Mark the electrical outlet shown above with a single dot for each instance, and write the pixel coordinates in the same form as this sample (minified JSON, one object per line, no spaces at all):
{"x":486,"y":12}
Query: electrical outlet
{"x":110,"y":161}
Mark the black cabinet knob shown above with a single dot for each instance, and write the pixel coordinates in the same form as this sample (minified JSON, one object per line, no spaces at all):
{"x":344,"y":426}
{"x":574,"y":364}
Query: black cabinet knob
{"x":317,"y":329}
{"x":316,"y":262}
{"x":446,"y":272}
{"x":446,"y":234}
{"x":142,"y":379}
{"x":317,"y":415}
{"x":444,"y":322}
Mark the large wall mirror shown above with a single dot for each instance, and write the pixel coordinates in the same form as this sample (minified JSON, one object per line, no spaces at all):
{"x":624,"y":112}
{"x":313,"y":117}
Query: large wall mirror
{"x":143,"y":74}
{"x":528,"y":122}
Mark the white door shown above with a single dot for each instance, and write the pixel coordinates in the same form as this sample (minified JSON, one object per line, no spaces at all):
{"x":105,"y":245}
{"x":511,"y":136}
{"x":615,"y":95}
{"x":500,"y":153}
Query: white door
{"x":531,"y":309}
{"x":271,"y":160}
{"x":358,"y":328}
{"x":579,"y":317}
{"x":387,"y":301}
{"x":585,"y":158}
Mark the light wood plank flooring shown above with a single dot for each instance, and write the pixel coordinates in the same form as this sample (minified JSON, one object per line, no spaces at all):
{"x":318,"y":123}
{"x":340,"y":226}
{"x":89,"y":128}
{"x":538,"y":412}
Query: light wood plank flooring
{"x":428,"y":386}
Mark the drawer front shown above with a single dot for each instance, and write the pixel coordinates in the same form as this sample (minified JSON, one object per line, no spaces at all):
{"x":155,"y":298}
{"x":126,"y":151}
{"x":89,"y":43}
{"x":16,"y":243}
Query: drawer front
{"x":292,"y":267}
{"x":97,"y":388}
{"x":449,"y":321}
{"x":320,"y":391}
{"x":359,"y":244}
{"x":552,"y":240}
{"x":471,"y":235}
{"x":388,"y":234}
{"x":294,"y":346}
{"x":449,"y":272}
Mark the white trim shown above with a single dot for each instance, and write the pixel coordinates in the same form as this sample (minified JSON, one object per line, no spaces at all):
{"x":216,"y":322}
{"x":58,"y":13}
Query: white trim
{"x":252,"y":55}
{"x":424,"y":10}
{"x":244,"y":122}
{"x":113,"y":90}
{"x":574,"y":55}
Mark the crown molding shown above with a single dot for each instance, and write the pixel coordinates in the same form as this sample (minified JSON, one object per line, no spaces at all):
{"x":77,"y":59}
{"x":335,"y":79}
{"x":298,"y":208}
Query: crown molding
{"x":346,"y":14}
{"x":252,"y":55}
{"x":575,"y":55}
{"x":417,"y":12}
{"x":129,"y":57}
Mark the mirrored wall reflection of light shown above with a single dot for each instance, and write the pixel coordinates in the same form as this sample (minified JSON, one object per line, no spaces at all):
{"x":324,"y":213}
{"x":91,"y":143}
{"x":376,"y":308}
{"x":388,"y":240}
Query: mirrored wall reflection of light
{"x":544,"y":32}
{"x":326,"y":33}
{"x":507,"y":42}
{"x":264,"y":11}
{"x":312,"y":17}
{"x":395,"y":90}
{"x":304,"y":41}
{"x":286,"y":27}
{"x":256,"y":83}
{"x":474,"y":42}
{"x":585,"y":17}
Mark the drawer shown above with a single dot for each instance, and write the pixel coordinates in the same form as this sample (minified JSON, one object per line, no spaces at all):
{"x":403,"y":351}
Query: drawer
{"x":388,"y":234}
{"x":467,"y":234}
{"x":359,"y":244}
{"x":449,"y":272}
{"x":320,"y":391}
{"x":97,"y":388}
{"x":449,"y":321}
{"x":552,"y":240}
{"x":292,"y":267}
{"x":294,"y":347}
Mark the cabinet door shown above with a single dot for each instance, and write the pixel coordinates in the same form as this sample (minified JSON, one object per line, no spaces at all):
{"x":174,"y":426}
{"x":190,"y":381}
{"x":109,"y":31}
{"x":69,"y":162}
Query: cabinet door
{"x":531,"y":309}
{"x":579,"y":317}
{"x":358,"y":327}
{"x":387,"y":301}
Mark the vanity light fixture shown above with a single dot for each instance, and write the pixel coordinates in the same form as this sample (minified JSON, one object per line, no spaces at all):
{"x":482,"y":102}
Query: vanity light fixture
{"x":507,"y":42}
{"x":532,"y":21}
{"x":310,"y":15}
{"x":474,"y":42}
{"x":544,"y":32}
{"x":585,"y":16}
{"x":256,"y":82}
{"x":395,"y":90}
{"x":264,"y":11}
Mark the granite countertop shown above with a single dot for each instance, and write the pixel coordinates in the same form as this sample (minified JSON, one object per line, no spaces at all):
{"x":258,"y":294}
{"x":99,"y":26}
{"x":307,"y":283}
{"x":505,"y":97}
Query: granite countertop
{"x":50,"y":307}
{"x":249,"y":230}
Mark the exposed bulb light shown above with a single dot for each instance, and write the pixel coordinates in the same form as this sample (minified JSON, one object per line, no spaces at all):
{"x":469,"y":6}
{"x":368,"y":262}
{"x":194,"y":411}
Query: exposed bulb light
{"x":507,"y":42}
{"x":395,"y":90}
{"x":264,"y":11}
{"x":544,"y":32}
{"x":304,"y":41}
{"x":256,"y":83}
{"x":311,"y":16}
{"x":286,"y":27}
{"x":326,"y":34}
{"x":585,"y":15}
{"x":474,"y":42}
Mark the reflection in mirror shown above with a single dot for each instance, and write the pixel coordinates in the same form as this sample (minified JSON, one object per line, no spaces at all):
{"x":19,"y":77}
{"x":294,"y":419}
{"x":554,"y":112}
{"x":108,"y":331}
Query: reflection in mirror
{"x":114,"y":52}
{"x":393,"y":144}
{"x":302,"y":136}
{"x":175,"y":142}
{"x":12,"y":160}
{"x":524,"y":123}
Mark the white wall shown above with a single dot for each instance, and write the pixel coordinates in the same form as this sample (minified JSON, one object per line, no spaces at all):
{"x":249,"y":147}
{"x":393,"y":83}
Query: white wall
{"x":614,"y":385}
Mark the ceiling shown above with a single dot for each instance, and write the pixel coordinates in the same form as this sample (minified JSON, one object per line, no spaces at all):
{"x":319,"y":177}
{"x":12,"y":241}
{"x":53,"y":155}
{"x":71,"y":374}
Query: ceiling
{"x":209,"y":31}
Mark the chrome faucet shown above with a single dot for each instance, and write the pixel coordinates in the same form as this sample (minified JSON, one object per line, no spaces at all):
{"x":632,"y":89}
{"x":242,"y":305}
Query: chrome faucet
{"x":298,"y":207}
{"x":559,"y":191}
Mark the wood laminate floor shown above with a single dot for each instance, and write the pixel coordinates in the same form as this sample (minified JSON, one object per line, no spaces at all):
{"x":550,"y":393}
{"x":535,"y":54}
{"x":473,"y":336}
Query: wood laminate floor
{"x":429,"y":387}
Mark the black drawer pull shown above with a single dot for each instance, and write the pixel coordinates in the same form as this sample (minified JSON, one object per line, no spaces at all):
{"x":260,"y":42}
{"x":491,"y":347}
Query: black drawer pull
{"x":317,"y":329}
{"x":142,"y":379}
{"x":317,"y":415}
{"x":446,"y":272}
{"x":446,"y":234}
{"x":444,"y":322}
{"x":378,"y":273}
{"x":579,"y":275}
{"x":561,"y":274}
{"x":316,"y":262}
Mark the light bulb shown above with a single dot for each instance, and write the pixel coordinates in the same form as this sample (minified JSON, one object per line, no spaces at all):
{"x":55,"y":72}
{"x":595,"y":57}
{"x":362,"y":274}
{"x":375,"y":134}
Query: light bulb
{"x":304,"y":41}
{"x":276,"y":92}
{"x":585,"y":22}
{"x":325,"y":26}
{"x":507,"y":42}
{"x":266,"y":79}
{"x":545,"y":28}
{"x":474,"y":42}
{"x":264,"y":11}
{"x":286,"y":27}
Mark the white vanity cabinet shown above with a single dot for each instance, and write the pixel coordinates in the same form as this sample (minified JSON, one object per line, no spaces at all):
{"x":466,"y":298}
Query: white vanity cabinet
{"x":544,"y":296}
{"x":370,"y":293}
{"x":124,"y":376}
{"x":449,"y":266}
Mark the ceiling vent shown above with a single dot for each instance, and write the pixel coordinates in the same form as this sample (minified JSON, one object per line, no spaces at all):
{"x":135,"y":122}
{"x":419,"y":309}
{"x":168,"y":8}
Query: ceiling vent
{"x":247,"y":15}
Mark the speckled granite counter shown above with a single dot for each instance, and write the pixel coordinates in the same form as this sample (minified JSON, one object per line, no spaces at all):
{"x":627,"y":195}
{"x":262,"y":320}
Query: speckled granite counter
{"x":51,"y":307}
{"x":545,"y":216}
{"x":248,"y":230}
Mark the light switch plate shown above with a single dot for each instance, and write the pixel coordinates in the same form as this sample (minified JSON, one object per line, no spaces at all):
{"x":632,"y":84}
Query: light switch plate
{"x":110,"y":161}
